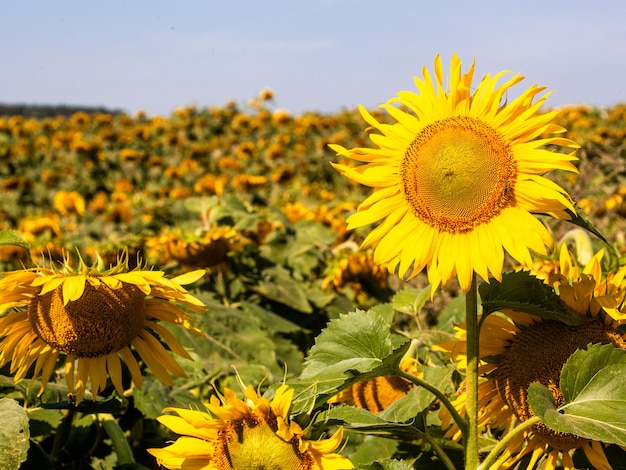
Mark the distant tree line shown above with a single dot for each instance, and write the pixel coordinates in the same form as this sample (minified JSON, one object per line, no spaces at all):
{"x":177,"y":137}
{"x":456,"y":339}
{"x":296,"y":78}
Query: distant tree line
{"x":42,"y":111}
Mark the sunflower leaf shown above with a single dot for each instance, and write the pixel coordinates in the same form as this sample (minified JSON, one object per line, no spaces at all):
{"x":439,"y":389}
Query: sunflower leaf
{"x":580,"y":218}
{"x":353,"y":347}
{"x":411,"y":301}
{"x":154,"y":396}
{"x":584,"y":364}
{"x":373,"y":449}
{"x":419,"y":400}
{"x":14,"y":434}
{"x":362,"y":420}
{"x":12,"y":237}
{"x":280,"y":287}
{"x":523,"y":292}
{"x":595,"y":406}
{"x":386,"y":465}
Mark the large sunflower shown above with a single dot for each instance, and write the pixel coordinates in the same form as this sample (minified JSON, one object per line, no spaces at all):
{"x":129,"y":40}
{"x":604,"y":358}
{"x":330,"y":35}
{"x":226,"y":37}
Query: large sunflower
{"x":519,"y":349}
{"x":458,"y":177}
{"x":254,"y":434}
{"x":96,"y":318}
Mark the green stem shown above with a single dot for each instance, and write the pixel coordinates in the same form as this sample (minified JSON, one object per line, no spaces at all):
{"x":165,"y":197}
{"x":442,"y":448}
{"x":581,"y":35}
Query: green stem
{"x":439,"y":451}
{"x":445,"y":401}
{"x":120,"y":443}
{"x":62,"y":434}
{"x":499,"y":448}
{"x":471,"y":379}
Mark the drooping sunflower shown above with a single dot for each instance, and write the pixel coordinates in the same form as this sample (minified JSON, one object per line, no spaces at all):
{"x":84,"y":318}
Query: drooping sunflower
{"x":458,"y":177}
{"x":96,"y":317}
{"x":519,"y":349}
{"x":253,"y":434}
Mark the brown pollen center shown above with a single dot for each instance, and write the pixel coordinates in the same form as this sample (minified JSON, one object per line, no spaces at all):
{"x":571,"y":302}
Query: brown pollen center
{"x":251,"y":444}
{"x":103,"y":320}
{"x":537,"y":354}
{"x":458,"y":173}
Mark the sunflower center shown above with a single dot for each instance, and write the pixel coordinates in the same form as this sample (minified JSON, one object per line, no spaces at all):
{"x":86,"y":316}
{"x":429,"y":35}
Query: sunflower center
{"x":100,"y":322}
{"x":254,"y":445}
{"x":458,"y":173}
{"x":530,"y":358}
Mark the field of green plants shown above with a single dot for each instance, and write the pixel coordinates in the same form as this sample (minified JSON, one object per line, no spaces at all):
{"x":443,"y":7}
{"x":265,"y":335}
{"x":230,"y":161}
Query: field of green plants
{"x":248,"y":194}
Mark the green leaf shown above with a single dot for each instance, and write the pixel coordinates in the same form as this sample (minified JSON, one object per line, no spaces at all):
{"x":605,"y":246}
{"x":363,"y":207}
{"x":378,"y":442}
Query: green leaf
{"x":112,"y":404}
{"x":453,"y":314}
{"x":411,"y":301}
{"x":419,"y":400}
{"x":154,"y":396}
{"x":43,"y":421}
{"x":357,"y":341}
{"x":352,"y":416}
{"x":595,"y":406}
{"x":361,"y":420}
{"x":372,"y":448}
{"x":386,"y":465}
{"x":14,"y":434}
{"x":584,"y":364}
{"x":353,"y":347}
{"x":280,"y":287}
{"x":523,"y":292}
{"x":11,"y":237}
{"x":582,"y":220}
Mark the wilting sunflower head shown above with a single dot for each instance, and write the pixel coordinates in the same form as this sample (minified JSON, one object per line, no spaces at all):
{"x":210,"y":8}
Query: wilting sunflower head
{"x":459,"y":176}
{"x":95,"y":317}
{"x":250,"y":434}
{"x":519,"y":349}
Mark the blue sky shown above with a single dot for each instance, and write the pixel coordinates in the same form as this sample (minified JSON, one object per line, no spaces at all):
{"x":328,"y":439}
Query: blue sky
{"x":315,"y":54}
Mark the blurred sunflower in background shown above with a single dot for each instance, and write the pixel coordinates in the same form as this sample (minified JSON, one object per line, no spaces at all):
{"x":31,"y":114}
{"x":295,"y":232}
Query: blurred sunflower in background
{"x":96,"y":317}
{"x":459,"y":176}
{"x":518,"y":349}
{"x":208,"y":249}
{"x":357,"y":273}
{"x":248,"y":434}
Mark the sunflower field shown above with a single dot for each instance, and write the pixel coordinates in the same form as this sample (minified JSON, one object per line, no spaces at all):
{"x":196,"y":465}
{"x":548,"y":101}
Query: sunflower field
{"x":206,"y":290}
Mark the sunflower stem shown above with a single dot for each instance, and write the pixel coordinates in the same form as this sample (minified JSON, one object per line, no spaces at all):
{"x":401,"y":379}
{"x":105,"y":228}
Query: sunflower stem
{"x":62,"y":434}
{"x":504,"y":442}
{"x":445,"y":401}
{"x":445,"y":460}
{"x":120,"y":443}
{"x":471,"y":379}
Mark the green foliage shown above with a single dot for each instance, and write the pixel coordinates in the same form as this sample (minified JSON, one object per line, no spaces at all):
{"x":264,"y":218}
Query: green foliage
{"x":522,"y":292}
{"x":12,"y":237}
{"x":355,"y":346}
{"x":386,"y":465}
{"x":595,"y":399}
{"x":284,"y":304}
{"x":14,"y":434}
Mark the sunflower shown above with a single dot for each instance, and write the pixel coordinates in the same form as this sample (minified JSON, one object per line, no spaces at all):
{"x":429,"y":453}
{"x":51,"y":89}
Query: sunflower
{"x":208,"y":249}
{"x":457,"y":178}
{"x":519,"y":349}
{"x":358,"y":272}
{"x":253,"y":434}
{"x":96,"y":318}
